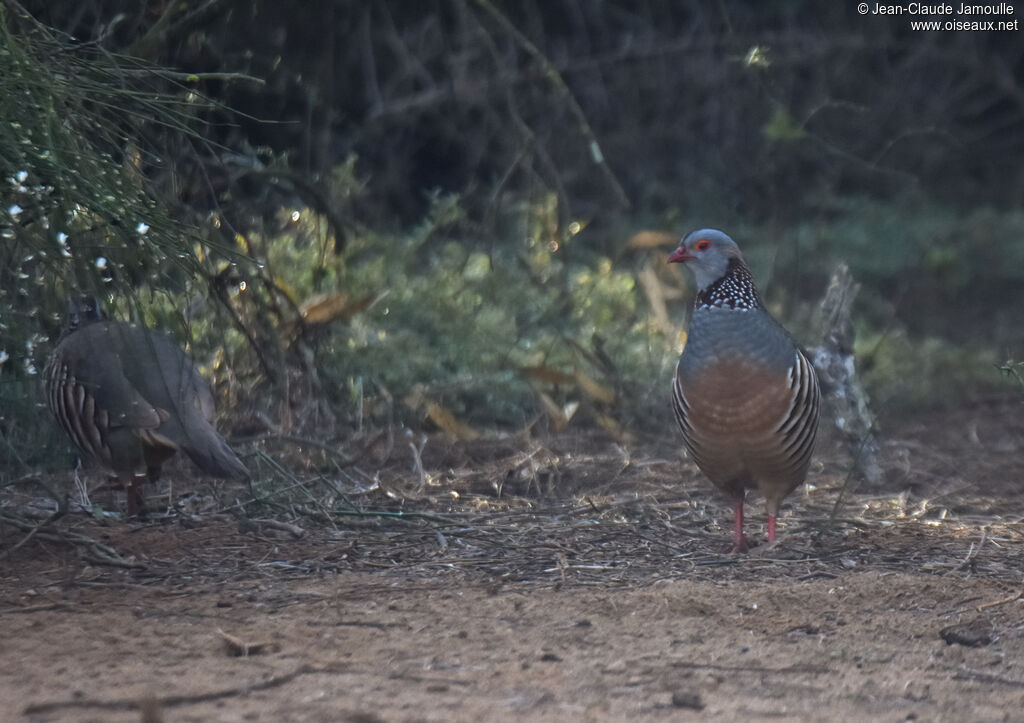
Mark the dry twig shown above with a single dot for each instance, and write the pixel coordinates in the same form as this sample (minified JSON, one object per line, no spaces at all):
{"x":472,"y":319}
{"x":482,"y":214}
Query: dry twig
{"x":173,"y":701}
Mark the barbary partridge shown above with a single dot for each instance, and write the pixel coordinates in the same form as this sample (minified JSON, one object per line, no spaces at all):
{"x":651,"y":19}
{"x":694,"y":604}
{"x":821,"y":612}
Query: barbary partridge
{"x":128,"y":396}
{"x":745,"y":396}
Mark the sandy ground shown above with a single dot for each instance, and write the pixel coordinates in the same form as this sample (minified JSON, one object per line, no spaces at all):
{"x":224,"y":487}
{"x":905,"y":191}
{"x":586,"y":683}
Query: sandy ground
{"x":601,"y":591}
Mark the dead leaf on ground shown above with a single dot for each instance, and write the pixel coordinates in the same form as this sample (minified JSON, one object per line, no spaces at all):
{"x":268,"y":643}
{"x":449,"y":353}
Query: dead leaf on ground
{"x":611,"y":426}
{"x":652,"y":240}
{"x":560,"y":416}
{"x":325,"y":308}
{"x":449,"y":424}
{"x":594,"y":389}
{"x":654,"y":290}
{"x":543,"y":373}
{"x":235,"y":647}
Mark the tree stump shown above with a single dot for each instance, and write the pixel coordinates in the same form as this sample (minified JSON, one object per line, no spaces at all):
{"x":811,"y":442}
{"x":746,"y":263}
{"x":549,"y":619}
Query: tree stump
{"x":844,"y":396}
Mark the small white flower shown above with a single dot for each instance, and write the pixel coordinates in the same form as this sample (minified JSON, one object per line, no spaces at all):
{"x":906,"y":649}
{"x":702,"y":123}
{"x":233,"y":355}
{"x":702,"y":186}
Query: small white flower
{"x":101,"y":263}
{"x":15,"y":211}
{"x":142,"y":228}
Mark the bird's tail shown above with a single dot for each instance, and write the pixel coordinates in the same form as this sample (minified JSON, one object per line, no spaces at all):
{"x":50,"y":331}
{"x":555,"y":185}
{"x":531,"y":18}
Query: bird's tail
{"x":208,"y":450}
{"x":217,"y":459}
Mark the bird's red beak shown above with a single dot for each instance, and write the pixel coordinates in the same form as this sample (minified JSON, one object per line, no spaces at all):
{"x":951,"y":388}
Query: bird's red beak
{"x":680,"y":255}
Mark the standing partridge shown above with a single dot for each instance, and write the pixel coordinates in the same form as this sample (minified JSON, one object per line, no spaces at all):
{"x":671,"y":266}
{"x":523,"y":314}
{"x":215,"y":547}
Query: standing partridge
{"x":745,"y":396}
{"x":128,"y":396}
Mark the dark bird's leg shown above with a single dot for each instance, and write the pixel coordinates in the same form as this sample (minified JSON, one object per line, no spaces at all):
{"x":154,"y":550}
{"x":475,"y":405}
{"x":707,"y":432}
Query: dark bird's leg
{"x":136,"y":505}
{"x":154,"y":456}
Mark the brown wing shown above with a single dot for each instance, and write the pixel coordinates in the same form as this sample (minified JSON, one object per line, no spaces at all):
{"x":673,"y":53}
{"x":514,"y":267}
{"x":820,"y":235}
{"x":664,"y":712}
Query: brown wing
{"x":92,"y":400}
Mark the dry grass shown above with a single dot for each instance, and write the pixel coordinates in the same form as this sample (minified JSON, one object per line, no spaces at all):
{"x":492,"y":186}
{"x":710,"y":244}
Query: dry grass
{"x":573,"y":510}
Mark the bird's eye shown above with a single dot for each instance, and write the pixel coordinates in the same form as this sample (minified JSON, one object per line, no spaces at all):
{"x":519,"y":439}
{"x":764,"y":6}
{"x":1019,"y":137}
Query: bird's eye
{"x":703,"y":245}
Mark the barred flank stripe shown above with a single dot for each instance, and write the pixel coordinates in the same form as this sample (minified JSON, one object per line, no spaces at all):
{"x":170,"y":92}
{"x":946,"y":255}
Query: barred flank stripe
{"x":797,"y":429}
{"x":75,"y":409}
{"x":680,"y":406}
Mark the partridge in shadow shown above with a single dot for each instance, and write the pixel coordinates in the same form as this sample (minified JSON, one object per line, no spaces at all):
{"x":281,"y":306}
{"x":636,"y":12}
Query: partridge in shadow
{"x":744,"y":394}
{"x":129,"y":397}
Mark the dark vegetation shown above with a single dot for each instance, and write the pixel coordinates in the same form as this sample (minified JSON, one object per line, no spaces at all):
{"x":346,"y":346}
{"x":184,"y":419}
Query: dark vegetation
{"x":435,"y":215}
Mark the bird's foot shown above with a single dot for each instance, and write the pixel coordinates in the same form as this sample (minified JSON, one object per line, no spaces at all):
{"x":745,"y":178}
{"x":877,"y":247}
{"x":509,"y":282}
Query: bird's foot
{"x":739,"y":546}
{"x":765,"y":550}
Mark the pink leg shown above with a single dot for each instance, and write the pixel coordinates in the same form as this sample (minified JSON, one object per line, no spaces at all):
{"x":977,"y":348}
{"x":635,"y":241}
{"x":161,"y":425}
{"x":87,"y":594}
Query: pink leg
{"x":771,"y":528}
{"x":739,"y":542}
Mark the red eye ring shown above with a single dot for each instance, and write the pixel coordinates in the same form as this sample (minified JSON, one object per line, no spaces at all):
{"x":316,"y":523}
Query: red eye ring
{"x":702,"y":245}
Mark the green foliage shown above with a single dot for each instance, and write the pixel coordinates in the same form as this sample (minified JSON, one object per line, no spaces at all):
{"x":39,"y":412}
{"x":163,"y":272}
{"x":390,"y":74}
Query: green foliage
{"x":913,"y":236}
{"x":457,"y":317}
{"x":455,"y":320}
{"x":782,"y":128}
{"x":923,"y":265}
{"x":74,"y":215}
{"x":71,"y":153}
{"x":904,"y":373}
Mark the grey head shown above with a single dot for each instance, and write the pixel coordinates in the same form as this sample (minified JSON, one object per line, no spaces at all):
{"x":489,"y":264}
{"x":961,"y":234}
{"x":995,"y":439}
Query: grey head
{"x":83,"y":311}
{"x":707,"y":252}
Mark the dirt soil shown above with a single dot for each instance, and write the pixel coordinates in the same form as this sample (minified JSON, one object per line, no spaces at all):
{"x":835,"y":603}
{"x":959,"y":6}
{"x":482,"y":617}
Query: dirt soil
{"x":574,"y":578}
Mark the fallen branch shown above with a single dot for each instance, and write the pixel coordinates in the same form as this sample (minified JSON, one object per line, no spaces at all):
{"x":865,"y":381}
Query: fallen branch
{"x":173,"y":701}
{"x":1016,"y":596}
{"x":33,"y":609}
{"x":979,"y":677}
